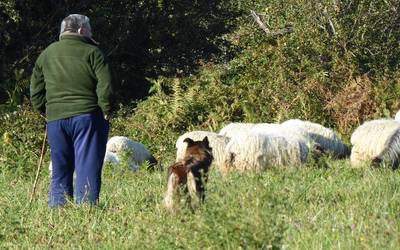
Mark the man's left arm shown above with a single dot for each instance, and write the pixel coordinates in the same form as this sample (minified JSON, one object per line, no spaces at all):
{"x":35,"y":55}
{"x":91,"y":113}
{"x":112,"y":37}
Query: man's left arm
{"x":104,"y":81}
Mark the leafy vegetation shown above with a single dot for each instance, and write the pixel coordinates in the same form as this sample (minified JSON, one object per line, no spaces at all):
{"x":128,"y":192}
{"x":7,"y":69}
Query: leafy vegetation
{"x":22,"y":134}
{"x":141,"y":38}
{"x":319,"y":73}
{"x":190,"y":65}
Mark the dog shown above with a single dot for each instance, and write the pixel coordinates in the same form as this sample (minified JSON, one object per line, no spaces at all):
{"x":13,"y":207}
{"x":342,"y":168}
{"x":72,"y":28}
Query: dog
{"x":190,"y":174}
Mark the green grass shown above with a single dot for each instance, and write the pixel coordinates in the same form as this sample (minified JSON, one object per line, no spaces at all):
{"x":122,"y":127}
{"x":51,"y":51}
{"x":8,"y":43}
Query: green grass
{"x":292,"y":208}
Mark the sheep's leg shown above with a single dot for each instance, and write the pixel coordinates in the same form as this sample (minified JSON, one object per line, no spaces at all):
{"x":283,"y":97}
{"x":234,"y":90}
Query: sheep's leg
{"x":194,"y":195}
{"x":227,"y":165}
{"x":172,"y":191}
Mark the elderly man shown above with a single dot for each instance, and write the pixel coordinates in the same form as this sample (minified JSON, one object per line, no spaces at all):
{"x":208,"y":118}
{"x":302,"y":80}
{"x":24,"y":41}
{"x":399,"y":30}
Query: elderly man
{"x":71,"y":83}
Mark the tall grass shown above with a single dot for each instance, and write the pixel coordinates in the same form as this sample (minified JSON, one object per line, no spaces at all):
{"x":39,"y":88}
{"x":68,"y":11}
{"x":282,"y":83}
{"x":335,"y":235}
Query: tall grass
{"x":296,"y":208}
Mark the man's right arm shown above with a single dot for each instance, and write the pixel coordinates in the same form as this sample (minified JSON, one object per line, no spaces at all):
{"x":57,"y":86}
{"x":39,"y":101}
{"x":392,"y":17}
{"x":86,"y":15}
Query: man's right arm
{"x":37,"y":88}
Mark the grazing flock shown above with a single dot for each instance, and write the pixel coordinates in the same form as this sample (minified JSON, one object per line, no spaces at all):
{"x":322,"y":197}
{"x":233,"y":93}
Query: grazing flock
{"x":256,"y":147}
{"x":259,"y":146}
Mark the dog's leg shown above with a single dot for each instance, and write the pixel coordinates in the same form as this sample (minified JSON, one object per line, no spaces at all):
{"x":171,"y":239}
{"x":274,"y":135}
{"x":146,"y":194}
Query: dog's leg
{"x":191,"y":185}
{"x":172,"y":191}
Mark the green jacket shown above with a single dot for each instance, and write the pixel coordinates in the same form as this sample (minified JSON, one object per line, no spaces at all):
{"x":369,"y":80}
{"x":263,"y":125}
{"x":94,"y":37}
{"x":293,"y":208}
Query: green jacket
{"x":71,"y":77}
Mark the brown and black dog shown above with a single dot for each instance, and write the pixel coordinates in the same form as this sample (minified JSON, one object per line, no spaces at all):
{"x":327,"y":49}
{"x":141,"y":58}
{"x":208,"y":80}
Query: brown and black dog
{"x":190,"y":173}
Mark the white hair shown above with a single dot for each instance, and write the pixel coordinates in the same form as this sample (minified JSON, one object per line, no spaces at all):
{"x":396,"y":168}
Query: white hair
{"x":74,"y":22}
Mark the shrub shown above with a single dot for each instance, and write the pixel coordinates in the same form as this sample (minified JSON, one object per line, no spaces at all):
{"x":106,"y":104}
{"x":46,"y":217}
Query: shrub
{"x":22,"y":134}
{"x":335,"y":69}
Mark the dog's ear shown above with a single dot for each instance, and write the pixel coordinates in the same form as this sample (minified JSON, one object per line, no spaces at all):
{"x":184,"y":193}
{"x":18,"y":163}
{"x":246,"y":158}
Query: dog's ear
{"x":205,"y":142}
{"x":188,"y":141}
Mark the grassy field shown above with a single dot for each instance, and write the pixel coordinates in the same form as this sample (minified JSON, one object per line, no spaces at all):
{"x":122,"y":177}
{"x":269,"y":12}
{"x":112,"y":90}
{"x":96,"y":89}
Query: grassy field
{"x":294,"y":208}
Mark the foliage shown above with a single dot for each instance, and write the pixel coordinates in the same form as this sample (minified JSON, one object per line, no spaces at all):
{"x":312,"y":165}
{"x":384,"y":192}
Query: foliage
{"x":335,"y":69}
{"x":245,"y":75}
{"x":206,"y":66}
{"x":22,"y":134}
{"x":141,"y":38}
{"x":326,"y":71}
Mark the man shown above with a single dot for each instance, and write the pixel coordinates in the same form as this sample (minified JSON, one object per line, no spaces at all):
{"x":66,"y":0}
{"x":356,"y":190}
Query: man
{"x":71,"y":83}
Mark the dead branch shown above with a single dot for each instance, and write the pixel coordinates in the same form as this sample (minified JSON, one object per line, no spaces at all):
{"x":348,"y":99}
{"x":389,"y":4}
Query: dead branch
{"x":269,"y":32}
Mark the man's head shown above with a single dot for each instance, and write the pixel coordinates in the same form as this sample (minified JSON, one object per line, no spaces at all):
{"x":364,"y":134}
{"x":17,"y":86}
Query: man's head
{"x":78,"y":24}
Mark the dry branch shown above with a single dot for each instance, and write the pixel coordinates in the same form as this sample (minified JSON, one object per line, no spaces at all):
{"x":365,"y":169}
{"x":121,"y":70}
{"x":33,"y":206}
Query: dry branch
{"x":269,"y":32}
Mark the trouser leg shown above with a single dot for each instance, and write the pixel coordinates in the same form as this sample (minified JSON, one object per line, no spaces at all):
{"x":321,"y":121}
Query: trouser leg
{"x":90,"y":139}
{"x":62,"y":157}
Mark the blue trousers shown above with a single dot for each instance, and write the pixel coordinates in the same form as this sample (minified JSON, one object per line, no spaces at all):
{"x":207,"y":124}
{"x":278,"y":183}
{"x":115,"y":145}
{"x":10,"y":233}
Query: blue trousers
{"x":77,"y":144}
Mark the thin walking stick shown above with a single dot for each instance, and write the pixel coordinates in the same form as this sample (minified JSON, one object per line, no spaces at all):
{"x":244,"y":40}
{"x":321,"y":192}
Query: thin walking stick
{"x":39,"y":166}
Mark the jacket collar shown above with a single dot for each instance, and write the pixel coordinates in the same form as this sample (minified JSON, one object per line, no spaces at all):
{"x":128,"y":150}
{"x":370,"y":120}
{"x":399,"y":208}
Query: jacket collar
{"x":76,"y":37}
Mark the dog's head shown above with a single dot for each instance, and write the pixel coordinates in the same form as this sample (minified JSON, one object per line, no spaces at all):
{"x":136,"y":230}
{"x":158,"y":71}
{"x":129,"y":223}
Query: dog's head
{"x":200,"y":150}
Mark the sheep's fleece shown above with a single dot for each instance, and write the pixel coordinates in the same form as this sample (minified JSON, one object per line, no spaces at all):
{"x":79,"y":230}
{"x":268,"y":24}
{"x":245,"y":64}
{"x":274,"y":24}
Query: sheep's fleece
{"x":397,"y":117}
{"x":376,"y":140}
{"x":255,"y":151}
{"x":326,"y":138}
{"x":235,"y":128}
{"x":217,"y":144}
{"x":120,"y":144}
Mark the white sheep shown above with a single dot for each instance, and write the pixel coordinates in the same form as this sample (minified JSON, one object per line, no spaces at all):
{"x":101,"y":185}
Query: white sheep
{"x":265,"y":128}
{"x":217,"y":143}
{"x":136,"y":151}
{"x":324,"y":137}
{"x":114,"y":157}
{"x":374,"y":142}
{"x":108,"y":158}
{"x":258,"y":151}
{"x":111,"y":157}
{"x":397,"y":117}
{"x":235,"y":128}
{"x":279,"y":129}
{"x":50,"y":167}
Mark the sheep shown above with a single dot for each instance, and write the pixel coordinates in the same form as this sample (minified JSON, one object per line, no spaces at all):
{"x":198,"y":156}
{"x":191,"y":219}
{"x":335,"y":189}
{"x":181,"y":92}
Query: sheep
{"x":138,"y":152}
{"x":273,"y":129}
{"x":397,"y":117}
{"x":116,"y":146}
{"x":265,"y":128}
{"x":235,"y":128}
{"x":289,"y":130}
{"x":217,"y":143}
{"x":50,"y":168}
{"x":108,"y":158}
{"x":374,"y":142}
{"x":112,"y":158}
{"x":317,"y":134}
{"x":258,"y":151}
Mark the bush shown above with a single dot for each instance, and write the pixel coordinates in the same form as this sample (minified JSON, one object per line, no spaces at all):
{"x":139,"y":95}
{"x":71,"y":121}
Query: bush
{"x":339,"y":67}
{"x":141,"y":38}
{"x":334,"y":69}
{"x":22,"y":133}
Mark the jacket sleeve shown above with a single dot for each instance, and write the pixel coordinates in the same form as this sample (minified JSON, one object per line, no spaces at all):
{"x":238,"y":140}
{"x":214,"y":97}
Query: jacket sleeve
{"x":38,"y":88}
{"x":104,"y":89}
